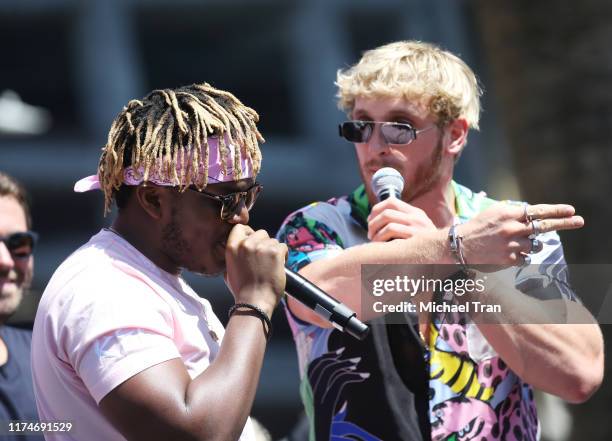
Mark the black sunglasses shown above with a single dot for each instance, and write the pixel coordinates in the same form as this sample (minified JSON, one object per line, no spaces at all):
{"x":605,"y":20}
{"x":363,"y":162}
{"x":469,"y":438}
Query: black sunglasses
{"x":393,"y":132}
{"x":21,"y":244}
{"x":231,"y":203}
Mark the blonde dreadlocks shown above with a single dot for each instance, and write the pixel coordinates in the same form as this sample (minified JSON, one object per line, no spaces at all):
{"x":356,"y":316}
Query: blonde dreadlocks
{"x":167,"y":133}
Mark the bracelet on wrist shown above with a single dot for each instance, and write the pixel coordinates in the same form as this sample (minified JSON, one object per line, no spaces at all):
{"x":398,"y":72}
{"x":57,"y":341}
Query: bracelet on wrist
{"x":258,"y":312}
{"x":455,"y":242}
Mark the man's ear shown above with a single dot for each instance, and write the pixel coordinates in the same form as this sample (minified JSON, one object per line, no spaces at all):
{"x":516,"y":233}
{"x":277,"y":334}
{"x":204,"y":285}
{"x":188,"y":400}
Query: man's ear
{"x":457,"y":132}
{"x":153,"y":200}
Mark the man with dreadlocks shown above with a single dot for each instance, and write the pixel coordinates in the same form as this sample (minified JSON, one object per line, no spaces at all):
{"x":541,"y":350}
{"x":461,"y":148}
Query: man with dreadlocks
{"x":122,"y":347}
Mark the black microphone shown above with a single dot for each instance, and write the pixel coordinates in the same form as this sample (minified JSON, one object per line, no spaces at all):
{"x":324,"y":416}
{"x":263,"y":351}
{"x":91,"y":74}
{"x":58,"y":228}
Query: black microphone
{"x":325,"y":305}
{"x":387,"y":183}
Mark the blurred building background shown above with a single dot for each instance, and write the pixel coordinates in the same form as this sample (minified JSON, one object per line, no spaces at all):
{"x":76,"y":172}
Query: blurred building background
{"x":68,"y":66}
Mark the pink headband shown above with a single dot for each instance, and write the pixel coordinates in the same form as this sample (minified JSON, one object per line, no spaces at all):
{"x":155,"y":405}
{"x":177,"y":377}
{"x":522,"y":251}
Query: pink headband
{"x":215,"y":171}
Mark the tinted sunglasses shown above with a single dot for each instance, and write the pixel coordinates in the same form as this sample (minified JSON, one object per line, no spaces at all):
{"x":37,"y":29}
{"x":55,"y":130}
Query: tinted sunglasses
{"x":21,"y":244}
{"x":392,"y":132}
{"x":231,"y":203}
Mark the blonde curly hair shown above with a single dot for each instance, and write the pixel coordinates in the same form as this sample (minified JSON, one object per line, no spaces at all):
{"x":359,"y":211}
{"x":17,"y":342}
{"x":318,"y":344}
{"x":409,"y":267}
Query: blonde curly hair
{"x":414,"y":70}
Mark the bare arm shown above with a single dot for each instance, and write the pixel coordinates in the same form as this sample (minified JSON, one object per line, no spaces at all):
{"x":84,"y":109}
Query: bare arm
{"x":554,"y":345}
{"x":340,"y":276}
{"x":163,"y":403}
{"x":563,"y":359}
{"x":497,"y":235}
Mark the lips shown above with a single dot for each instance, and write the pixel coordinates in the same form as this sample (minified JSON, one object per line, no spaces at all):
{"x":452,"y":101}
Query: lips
{"x":4,"y":281}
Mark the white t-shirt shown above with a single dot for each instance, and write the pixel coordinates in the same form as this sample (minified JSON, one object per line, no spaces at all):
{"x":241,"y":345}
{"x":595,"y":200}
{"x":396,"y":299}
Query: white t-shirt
{"x":107,"y":314}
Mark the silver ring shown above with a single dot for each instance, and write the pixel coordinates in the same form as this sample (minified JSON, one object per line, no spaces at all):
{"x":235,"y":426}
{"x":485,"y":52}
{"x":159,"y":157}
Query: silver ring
{"x":536,"y":246}
{"x":528,"y":217}
{"x":535,"y":225}
{"x":526,"y":259}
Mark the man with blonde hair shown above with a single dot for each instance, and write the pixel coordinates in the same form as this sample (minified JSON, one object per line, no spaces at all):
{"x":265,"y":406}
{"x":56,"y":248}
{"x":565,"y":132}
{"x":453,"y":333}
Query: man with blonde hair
{"x":410,"y":107}
{"x":123,"y":348}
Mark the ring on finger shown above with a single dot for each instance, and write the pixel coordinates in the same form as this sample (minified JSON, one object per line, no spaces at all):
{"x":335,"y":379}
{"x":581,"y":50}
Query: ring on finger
{"x":536,"y":246}
{"x":526,"y":259}
{"x":528,"y":217}
{"x":535,"y":225}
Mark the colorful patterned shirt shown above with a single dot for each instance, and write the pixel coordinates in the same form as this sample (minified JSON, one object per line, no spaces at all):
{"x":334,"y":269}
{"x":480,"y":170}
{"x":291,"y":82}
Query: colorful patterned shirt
{"x":351,"y":390}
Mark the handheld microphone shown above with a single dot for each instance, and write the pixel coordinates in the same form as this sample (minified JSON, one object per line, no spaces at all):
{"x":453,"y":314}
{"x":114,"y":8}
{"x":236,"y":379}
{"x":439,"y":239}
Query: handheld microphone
{"x":387,"y":183}
{"x":325,"y":305}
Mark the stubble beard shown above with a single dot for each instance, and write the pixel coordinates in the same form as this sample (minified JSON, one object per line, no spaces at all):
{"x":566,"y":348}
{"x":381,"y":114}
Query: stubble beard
{"x":10,"y":298}
{"x":427,"y":176}
{"x":179,"y":250}
{"x":173,"y":243}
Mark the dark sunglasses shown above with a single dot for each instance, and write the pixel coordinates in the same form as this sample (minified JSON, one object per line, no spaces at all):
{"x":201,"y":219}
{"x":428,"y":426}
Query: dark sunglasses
{"x":393,"y":132}
{"x":21,"y":244}
{"x":231,"y":203}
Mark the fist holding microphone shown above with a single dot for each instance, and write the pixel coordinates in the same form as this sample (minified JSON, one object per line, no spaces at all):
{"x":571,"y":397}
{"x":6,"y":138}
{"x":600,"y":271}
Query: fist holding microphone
{"x":257,"y":277}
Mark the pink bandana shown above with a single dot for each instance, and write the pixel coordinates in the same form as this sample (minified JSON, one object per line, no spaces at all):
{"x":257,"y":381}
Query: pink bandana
{"x":215,"y":171}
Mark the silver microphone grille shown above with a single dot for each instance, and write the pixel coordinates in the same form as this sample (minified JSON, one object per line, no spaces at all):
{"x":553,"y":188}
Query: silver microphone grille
{"x":387,"y":179}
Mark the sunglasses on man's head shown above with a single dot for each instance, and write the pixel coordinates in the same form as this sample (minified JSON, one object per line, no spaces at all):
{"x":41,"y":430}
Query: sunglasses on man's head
{"x":231,"y":203}
{"x":21,"y":244}
{"x":392,"y":132}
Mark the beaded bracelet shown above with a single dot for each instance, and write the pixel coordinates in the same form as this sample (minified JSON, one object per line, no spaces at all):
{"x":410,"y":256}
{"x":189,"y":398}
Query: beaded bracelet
{"x":260,"y":313}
